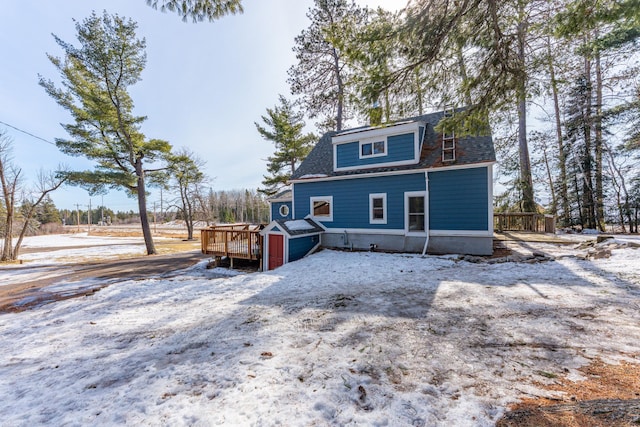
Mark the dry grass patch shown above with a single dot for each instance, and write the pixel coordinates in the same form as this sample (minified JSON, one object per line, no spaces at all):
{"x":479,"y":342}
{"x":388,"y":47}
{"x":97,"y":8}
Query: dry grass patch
{"x":609,"y":396}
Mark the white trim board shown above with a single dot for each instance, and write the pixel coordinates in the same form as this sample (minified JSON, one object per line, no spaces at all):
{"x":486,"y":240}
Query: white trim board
{"x":400,"y":172}
{"x":356,"y":135}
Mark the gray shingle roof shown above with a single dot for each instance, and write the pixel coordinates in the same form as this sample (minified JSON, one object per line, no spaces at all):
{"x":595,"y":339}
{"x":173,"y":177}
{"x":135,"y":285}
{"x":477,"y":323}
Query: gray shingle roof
{"x":282,"y":196}
{"x":311,"y":227}
{"x":469,"y":150}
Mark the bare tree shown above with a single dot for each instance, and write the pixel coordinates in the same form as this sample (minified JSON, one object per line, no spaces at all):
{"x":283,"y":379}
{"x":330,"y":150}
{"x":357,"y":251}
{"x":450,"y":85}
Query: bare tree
{"x":12,"y":185}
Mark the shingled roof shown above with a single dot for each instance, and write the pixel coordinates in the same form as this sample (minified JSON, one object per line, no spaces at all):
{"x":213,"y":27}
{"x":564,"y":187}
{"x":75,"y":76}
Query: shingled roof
{"x":469,"y":150}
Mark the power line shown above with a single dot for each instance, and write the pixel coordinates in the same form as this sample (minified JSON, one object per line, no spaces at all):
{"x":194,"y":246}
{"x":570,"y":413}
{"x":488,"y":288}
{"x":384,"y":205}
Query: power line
{"x":27,"y":133}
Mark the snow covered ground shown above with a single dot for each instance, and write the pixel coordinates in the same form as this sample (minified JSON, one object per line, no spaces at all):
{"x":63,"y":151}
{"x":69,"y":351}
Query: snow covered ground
{"x":78,"y":247}
{"x":337,"y":338}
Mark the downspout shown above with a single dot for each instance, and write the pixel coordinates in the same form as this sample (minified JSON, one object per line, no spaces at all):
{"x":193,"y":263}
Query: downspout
{"x":426,"y":212}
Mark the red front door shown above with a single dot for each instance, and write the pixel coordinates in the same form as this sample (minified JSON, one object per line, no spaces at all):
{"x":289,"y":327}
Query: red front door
{"x":276,"y":251}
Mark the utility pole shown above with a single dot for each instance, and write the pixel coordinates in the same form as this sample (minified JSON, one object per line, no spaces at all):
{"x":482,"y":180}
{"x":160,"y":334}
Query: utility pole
{"x":161,"y":207}
{"x":89,"y":218}
{"x":155,"y":224}
{"x":102,"y":209}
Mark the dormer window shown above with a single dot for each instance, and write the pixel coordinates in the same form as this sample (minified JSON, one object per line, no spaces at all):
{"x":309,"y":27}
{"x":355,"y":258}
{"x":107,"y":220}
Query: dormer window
{"x":390,"y":145}
{"x":372,"y":148}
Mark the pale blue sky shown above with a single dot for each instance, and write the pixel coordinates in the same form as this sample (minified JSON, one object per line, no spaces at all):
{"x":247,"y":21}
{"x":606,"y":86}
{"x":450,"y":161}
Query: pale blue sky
{"x":203,"y":88}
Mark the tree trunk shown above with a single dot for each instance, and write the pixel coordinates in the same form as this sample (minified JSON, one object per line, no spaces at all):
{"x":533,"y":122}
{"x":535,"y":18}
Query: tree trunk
{"x":7,"y":250}
{"x":8,"y":191}
{"x":418,"y":90}
{"x":187,"y":210}
{"x":340,"y":83}
{"x":142,"y":207}
{"x":599,"y":196}
{"x":554,"y":201}
{"x":526,"y":180}
{"x":562,"y":156}
{"x":462,"y":69}
{"x":578,"y":197}
{"x":587,"y":184}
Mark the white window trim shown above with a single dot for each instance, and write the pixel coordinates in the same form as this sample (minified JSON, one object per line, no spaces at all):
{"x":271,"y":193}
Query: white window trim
{"x":376,"y":132}
{"x":372,"y":141}
{"x":406,"y":213}
{"x":382,"y":196}
{"x":285,"y":207}
{"x":323,"y":199}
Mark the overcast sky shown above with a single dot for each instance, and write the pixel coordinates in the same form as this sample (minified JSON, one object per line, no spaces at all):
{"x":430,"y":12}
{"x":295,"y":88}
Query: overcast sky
{"x":203,"y":87}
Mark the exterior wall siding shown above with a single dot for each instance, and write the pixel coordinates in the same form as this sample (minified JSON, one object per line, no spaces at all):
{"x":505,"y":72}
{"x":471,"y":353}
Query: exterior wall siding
{"x":399,"y":147}
{"x":301,"y":246}
{"x":275,"y":210}
{"x":458,"y":199}
{"x":351,"y":199}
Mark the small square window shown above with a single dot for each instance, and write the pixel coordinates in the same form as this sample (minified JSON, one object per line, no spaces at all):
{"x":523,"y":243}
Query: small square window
{"x":322,"y":208}
{"x":373,"y":148}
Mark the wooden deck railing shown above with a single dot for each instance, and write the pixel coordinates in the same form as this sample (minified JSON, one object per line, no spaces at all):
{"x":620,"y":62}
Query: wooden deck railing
{"x":524,"y":221}
{"x":232,"y":241}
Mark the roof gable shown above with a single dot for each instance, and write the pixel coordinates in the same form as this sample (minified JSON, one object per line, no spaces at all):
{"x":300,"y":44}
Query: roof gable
{"x":469,"y":150}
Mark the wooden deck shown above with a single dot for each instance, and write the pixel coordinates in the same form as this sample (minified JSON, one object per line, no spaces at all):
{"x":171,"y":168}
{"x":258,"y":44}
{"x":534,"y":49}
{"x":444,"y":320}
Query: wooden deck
{"x":242,"y":241}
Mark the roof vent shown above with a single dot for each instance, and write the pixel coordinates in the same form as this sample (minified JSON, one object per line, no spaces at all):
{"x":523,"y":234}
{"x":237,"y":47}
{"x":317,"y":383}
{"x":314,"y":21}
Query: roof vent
{"x":448,"y":139}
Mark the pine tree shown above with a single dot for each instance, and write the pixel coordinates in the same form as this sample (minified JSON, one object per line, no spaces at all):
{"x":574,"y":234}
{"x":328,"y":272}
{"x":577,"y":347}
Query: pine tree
{"x":47,"y":212}
{"x":284,"y":127}
{"x":96,"y":77}
{"x":198,"y":10}
{"x":323,"y":71}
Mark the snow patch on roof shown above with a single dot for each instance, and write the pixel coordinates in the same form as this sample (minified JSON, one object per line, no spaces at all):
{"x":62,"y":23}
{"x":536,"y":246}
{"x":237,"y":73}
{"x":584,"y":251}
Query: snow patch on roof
{"x":298,"y":225}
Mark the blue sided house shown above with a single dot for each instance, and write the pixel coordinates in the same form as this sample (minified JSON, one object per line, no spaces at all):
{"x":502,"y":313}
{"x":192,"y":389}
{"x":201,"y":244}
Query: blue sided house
{"x":396,"y":187}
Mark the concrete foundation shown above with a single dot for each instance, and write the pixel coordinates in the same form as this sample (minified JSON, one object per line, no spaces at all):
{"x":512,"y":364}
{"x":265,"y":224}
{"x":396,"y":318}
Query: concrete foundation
{"x":471,"y":245}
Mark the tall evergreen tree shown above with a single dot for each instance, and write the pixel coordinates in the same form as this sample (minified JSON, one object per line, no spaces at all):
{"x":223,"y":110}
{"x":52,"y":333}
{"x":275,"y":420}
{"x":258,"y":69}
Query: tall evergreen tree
{"x":96,"y":77}
{"x":284,"y":127}
{"x":322,"y":74}
{"x":603,"y":30}
{"x":497,"y":36}
{"x":198,"y":10}
{"x":47,"y":212}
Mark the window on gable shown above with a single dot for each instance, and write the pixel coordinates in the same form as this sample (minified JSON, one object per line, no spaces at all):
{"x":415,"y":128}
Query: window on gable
{"x":373,"y":148}
{"x":322,"y":208}
{"x":378,"y":208}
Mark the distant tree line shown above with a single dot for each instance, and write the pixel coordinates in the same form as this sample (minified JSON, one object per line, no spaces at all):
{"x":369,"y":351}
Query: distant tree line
{"x":248,"y":206}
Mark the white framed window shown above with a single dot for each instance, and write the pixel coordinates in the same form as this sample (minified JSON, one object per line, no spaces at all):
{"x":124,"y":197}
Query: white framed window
{"x":378,"y":208}
{"x":415,"y":212}
{"x":373,"y":148}
{"x":284,"y":210}
{"x":321,"y":208}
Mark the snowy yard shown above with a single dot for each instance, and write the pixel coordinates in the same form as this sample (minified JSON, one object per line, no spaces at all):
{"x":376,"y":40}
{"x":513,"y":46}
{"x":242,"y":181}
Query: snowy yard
{"x":337,"y":338}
